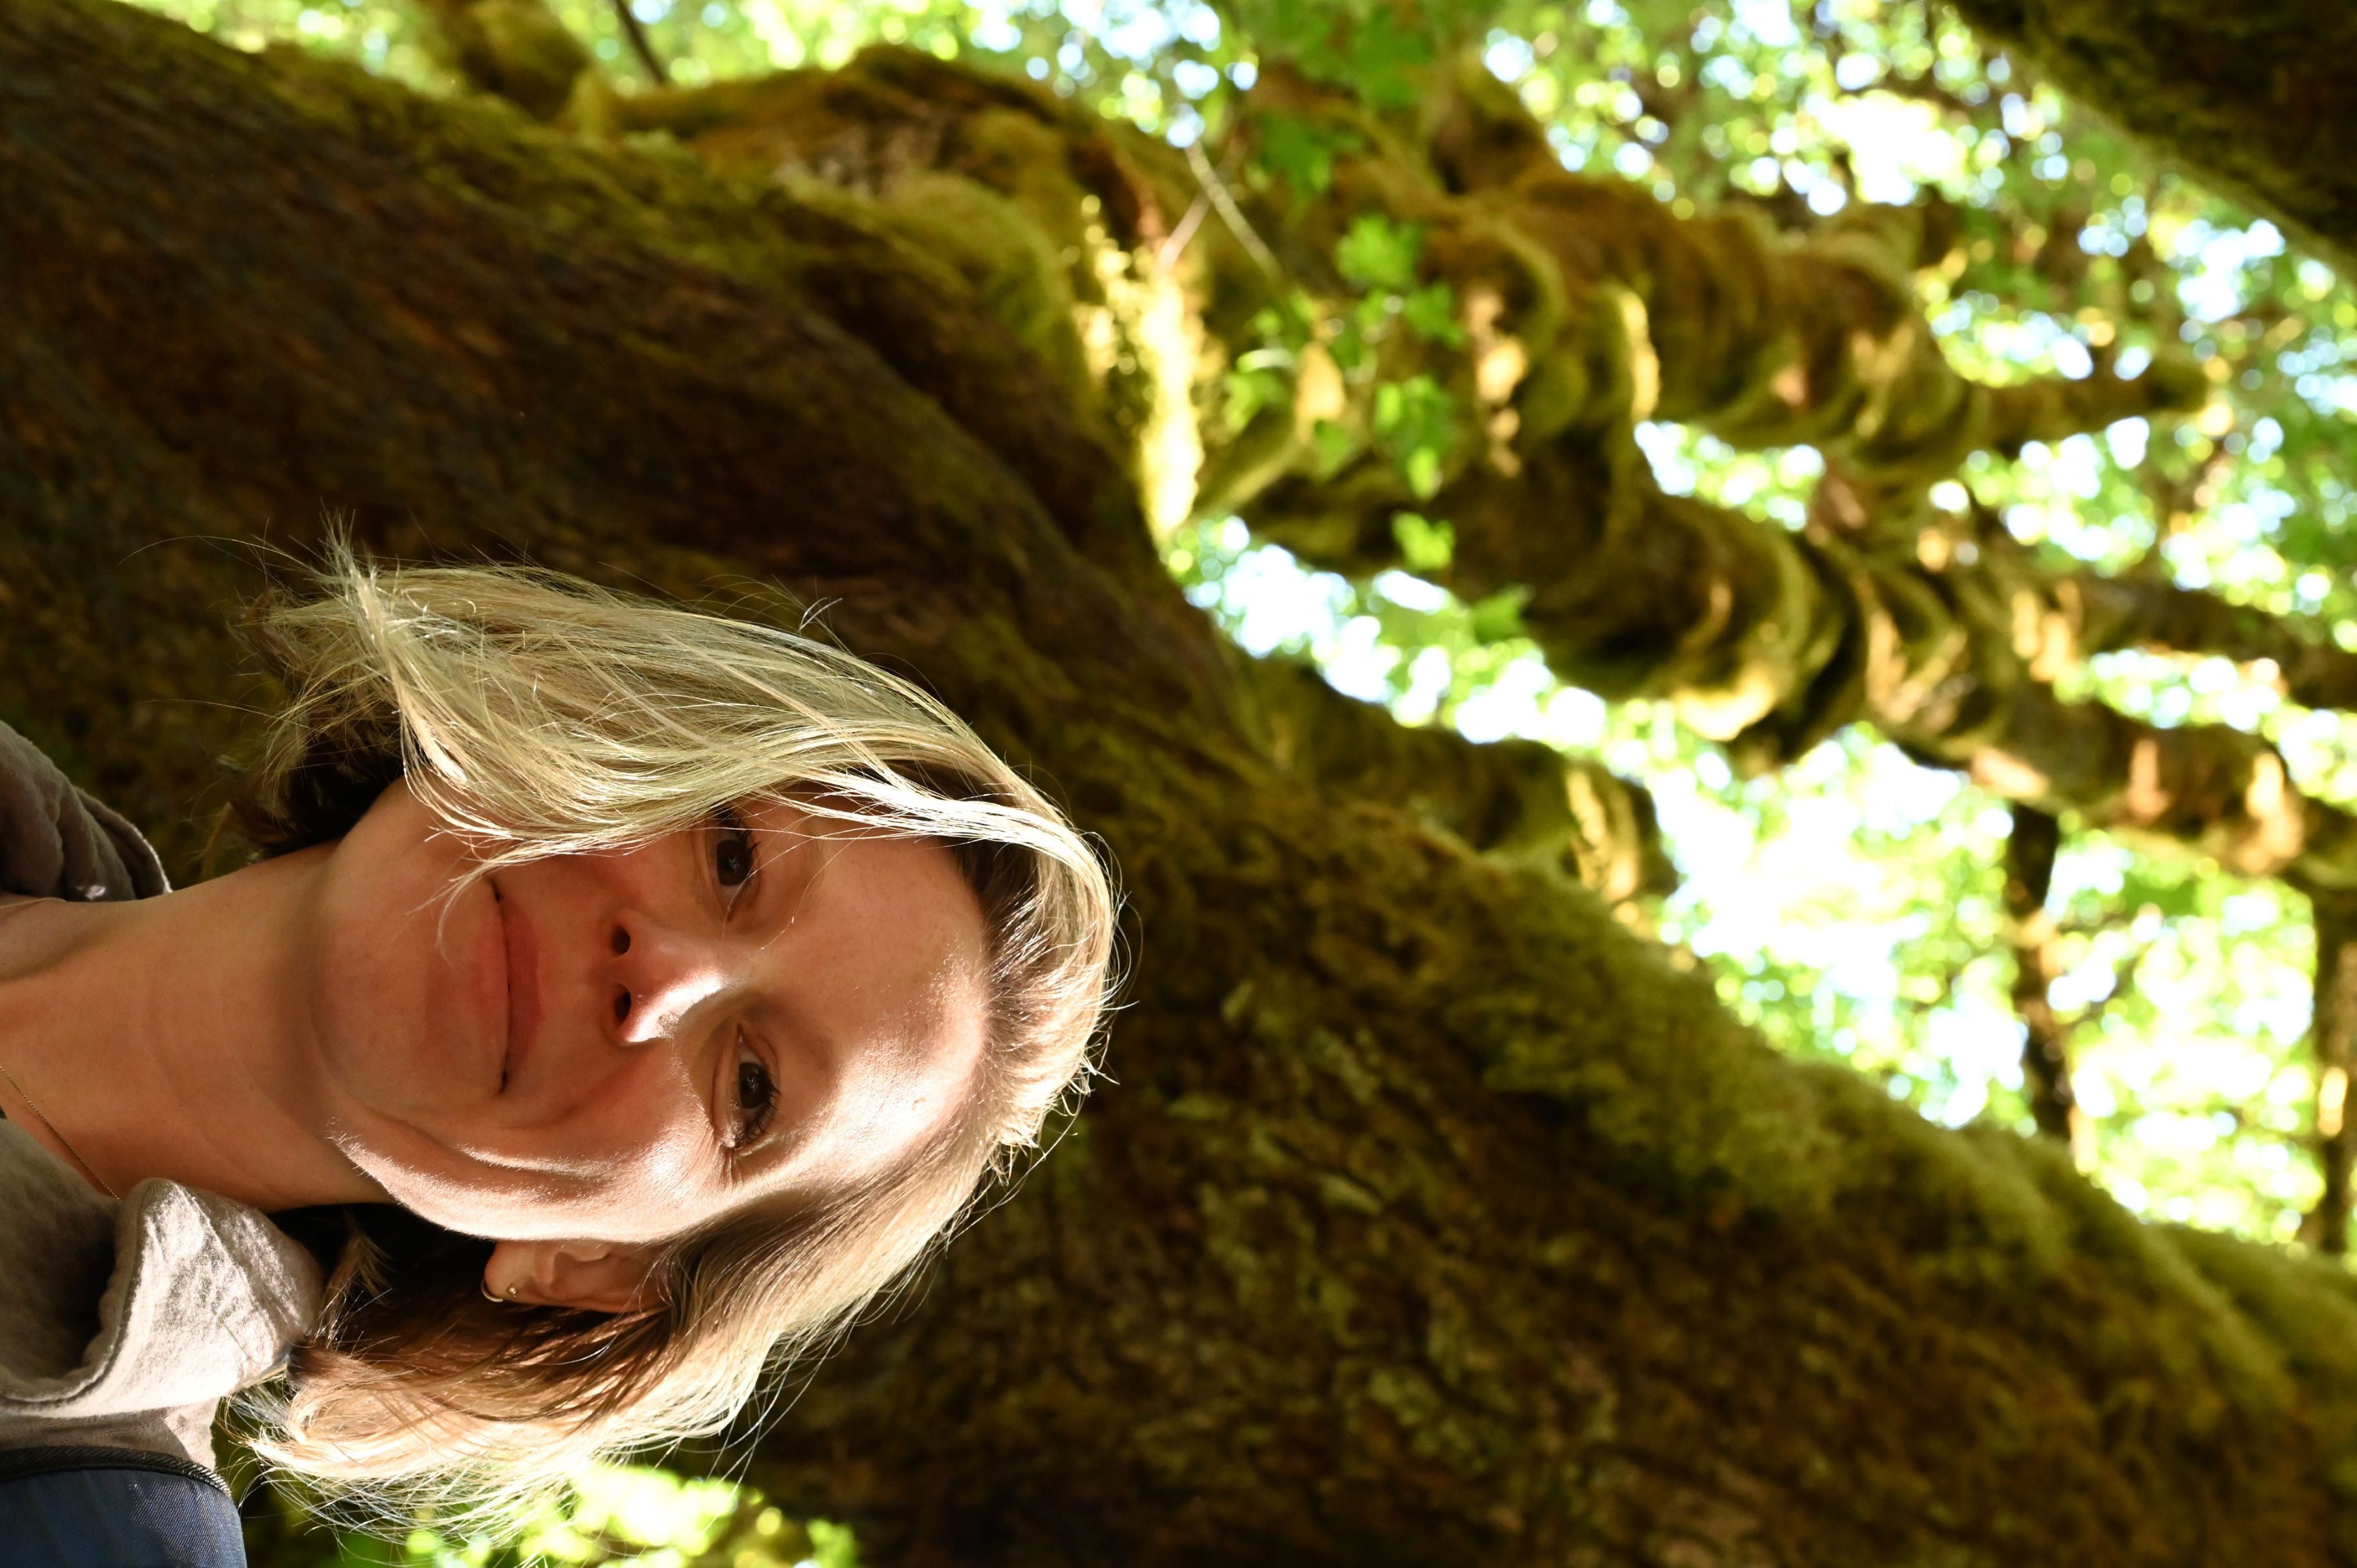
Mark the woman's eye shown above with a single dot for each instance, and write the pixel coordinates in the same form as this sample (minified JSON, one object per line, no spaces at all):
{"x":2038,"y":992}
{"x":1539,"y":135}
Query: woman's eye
{"x":757,"y":1098}
{"x":732,"y":851}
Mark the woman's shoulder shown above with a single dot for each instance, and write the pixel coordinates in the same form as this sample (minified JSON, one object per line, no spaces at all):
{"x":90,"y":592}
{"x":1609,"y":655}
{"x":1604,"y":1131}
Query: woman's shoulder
{"x":131,"y":1319}
{"x":55,"y":842}
{"x":122,"y":1323}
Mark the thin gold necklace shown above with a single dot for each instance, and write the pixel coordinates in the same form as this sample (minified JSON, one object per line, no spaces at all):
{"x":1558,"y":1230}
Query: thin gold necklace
{"x":43,"y":1117}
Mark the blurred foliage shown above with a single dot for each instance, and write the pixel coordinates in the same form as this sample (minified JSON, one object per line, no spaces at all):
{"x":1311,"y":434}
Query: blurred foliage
{"x":610,"y":1516}
{"x":1851,"y":904}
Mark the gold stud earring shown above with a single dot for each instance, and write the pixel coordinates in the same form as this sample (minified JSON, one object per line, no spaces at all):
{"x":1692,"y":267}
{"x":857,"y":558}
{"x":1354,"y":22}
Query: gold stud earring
{"x":511,"y":1291}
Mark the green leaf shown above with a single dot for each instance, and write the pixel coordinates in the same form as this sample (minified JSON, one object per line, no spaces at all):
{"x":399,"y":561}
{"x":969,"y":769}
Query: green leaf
{"x":1379,"y":254}
{"x":1426,"y":547}
{"x":832,"y":1545}
{"x":1288,"y":28}
{"x":1417,"y":419}
{"x":1331,"y":446}
{"x":1422,"y":466}
{"x":1498,"y":618}
{"x":1302,"y":152}
{"x":1430,"y":313}
{"x":1248,"y":392}
{"x":1382,"y":59}
{"x":1350,"y":343}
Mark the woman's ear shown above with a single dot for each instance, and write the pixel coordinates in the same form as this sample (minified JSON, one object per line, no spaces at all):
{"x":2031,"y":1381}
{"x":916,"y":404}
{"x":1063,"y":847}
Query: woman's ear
{"x":597,"y":1276}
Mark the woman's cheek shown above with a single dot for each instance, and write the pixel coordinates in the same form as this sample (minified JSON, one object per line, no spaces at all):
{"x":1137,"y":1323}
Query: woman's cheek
{"x":644,"y":1177}
{"x":652,"y":1184}
{"x":383,"y":994}
{"x":480,"y":1197}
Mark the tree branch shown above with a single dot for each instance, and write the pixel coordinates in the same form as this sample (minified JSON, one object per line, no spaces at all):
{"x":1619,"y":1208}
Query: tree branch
{"x":2332,"y":1042}
{"x":2263,"y":115}
{"x":517,"y":50}
{"x":2029,"y":851}
{"x":2142,"y":610}
{"x":641,"y":45}
{"x":1762,"y":342}
{"x":2051,"y":408}
{"x":1510,"y":795}
{"x":2055,"y":620}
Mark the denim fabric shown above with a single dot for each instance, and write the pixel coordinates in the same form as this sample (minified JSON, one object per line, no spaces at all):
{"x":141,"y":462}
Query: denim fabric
{"x":91,"y":1507}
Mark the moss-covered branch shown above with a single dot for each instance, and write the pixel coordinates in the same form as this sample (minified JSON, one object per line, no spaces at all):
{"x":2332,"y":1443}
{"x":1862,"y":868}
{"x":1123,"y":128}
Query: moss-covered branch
{"x":1579,"y":305}
{"x":1566,"y":300}
{"x":2332,"y":1042}
{"x":2098,"y":614}
{"x":1513,"y":796}
{"x":2029,"y":850}
{"x":516,"y":49}
{"x":1772,"y":640}
{"x":2255,"y":96}
{"x":1471,"y":300}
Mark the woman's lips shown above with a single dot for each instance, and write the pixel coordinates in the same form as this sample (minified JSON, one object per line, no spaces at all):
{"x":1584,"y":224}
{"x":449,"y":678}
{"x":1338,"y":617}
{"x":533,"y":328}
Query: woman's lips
{"x":523,"y":987}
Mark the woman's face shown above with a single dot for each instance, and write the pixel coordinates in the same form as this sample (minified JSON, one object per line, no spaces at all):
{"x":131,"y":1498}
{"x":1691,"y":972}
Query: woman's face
{"x":620,"y":1047}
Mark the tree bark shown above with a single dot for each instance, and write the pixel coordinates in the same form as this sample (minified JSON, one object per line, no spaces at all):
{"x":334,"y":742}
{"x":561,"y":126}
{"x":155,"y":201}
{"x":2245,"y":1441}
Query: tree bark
{"x":2101,"y":615}
{"x":2252,"y":95}
{"x":2332,"y":1041}
{"x":1517,"y":796}
{"x":1431,"y":1216}
{"x":2029,"y":851}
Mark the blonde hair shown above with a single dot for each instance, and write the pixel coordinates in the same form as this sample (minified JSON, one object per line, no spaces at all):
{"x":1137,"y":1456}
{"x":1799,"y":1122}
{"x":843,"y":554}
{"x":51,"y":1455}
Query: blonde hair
{"x":540,"y":716}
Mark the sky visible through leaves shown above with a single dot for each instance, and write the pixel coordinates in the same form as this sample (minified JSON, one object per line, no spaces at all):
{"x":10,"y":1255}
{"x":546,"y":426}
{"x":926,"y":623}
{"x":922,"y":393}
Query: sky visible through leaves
{"x":1851,"y":904}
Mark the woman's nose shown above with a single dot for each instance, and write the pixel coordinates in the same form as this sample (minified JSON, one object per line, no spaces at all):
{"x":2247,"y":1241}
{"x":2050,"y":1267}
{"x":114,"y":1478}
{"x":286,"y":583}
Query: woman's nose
{"x":658,"y":979}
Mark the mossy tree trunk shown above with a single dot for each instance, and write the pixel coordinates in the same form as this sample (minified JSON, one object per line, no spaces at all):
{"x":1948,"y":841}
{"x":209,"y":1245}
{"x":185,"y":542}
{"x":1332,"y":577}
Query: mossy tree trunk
{"x":1432,"y":1216}
{"x":2254,"y":96}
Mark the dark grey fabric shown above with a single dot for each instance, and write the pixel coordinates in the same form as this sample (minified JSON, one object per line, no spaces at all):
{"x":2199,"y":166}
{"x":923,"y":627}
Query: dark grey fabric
{"x":58,"y":842}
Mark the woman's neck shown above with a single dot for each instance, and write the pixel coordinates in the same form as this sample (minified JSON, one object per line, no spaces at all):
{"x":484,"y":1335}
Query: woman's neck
{"x":160,"y":1037}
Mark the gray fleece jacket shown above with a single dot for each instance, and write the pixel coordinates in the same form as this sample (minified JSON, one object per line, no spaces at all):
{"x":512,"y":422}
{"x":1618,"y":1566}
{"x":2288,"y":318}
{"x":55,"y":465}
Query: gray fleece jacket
{"x":122,"y":1325}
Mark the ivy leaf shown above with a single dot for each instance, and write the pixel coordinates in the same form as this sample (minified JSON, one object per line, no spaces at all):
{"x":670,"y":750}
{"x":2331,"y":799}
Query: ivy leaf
{"x":1416,"y":418}
{"x":1430,"y":313}
{"x":1498,"y":618}
{"x":1426,"y":547}
{"x":1331,"y":446}
{"x":1301,"y":152}
{"x":1261,"y":381}
{"x":1350,"y":343}
{"x":1379,"y":254}
{"x":1383,"y":57}
{"x":1283,"y":28}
